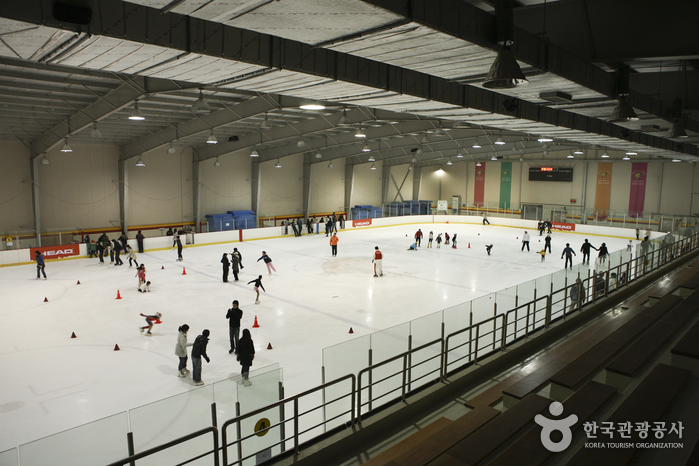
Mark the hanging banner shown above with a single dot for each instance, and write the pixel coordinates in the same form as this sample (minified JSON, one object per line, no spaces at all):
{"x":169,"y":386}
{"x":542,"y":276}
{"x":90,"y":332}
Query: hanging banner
{"x":638,"y":188}
{"x":505,"y":184}
{"x":479,"y":186}
{"x":604,"y":190}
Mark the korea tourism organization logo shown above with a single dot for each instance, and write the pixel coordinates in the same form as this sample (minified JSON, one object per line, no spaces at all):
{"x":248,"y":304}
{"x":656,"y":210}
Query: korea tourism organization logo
{"x":608,"y":435}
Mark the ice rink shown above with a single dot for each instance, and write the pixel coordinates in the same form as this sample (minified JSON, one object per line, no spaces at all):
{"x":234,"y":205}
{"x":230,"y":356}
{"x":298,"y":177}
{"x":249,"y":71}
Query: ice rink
{"x":52,"y":382}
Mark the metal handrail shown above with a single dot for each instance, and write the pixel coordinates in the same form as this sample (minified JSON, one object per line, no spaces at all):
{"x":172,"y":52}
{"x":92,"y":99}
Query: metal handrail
{"x":131,"y":459}
{"x":292,"y":399}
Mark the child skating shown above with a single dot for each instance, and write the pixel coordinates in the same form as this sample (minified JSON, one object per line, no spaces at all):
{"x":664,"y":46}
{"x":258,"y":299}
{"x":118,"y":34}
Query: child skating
{"x":429,"y":240}
{"x":141,"y":274}
{"x":268,"y":262}
{"x":543,"y":254}
{"x":488,"y":247}
{"x":154,"y":319}
{"x":439,"y":240}
{"x":446,"y":239}
{"x":453,"y":242}
{"x":258,"y":285}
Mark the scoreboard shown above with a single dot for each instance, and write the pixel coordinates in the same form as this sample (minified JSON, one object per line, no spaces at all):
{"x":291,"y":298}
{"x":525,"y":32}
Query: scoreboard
{"x":550,"y":174}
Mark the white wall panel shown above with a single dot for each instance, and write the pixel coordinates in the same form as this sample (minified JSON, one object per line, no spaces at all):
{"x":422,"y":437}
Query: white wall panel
{"x":16,"y":209}
{"x":398,"y":174}
{"x":367,"y":185}
{"x":226,"y":187}
{"x":281,"y":191}
{"x":327,"y":187}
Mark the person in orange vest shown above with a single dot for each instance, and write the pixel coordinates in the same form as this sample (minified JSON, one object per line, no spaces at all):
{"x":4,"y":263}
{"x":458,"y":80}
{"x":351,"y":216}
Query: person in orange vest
{"x":333,"y":243}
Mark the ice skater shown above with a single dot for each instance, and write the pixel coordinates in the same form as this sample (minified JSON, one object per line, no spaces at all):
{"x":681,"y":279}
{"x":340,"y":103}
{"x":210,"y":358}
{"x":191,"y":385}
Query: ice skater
{"x":629,"y":246}
{"x":226,"y":266}
{"x":258,"y":285}
{"x":485,"y":219}
{"x":178,"y":242}
{"x":268,"y":262}
{"x":453,"y":241}
{"x":40,"y":265}
{"x":154,"y":319}
{"x":413,"y":247}
{"x":198,"y":352}
{"x":439,"y":240}
{"x":141,"y":274}
{"x":525,"y":241}
{"x":117,"y":253}
{"x":429,"y":240}
{"x":234,"y":315}
{"x":418,"y":236}
{"x":543,"y":255}
{"x":181,"y":350}
{"x":568,"y":253}
{"x":547,"y":243}
{"x":488,"y":247}
{"x":377,"y":261}
{"x":131,"y":254}
{"x":238,"y":256}
{"x":246,"y":353}
{"x":603,"y":251}
{"x":235,"y":264}
{"x":585,"y":249}
{"x":333,"y":244}
{"x":446,"y":239}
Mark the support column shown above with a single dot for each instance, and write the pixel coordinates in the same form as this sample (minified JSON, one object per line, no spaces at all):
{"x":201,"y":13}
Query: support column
{"x":36,"y":199}
{"x":417,"y":179}
{"x":583,"y":216}
{"x":660,"y":188}
{"x":196,"y":189}
{"x":307,"y":174}
{"x":349,"y":185}
{"x":123,"y":194}
{"x":385,"y":180}
{"x":255,"y":188}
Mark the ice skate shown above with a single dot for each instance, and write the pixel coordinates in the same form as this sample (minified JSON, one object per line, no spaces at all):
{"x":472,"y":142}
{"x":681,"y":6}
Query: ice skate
{"x":181,"y":374}
{"x":257,"y":302}
{"x":185,"y":370}
{"x":148,"y":334}
{"x":201,"y":382}
{"x":247,"y":383}
{"x":140,"y":329}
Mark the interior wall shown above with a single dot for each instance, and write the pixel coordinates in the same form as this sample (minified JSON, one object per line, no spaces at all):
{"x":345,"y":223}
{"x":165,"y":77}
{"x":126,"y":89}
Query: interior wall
{"x":161,"y":192}
{"x":281,"y":189}
{"x":366,"y":189}
{"x":227,"y":187}
{"x":327,"y":187}
{"x":16,"y":211}
{"x":401,"y":178}
{"x":677,"y":187}
{"x":79,"y":189}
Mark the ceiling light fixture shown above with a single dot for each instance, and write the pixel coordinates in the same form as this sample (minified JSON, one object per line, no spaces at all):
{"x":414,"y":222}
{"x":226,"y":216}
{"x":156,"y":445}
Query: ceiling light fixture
{"x":676,"y":160}
{"x":95,"y":133}
{"x":414,"y":160}
{"x":373,"y":167}
{"x":418,"y":151}
{"x":505,"y":72}
{"x":266,"y":123}
{"x":359,"y":133}
{"x":171,"y":149}
{"x":45,"y":161}
{"x":425,"y":139}
{"x":476,"y":144}
{"x":365,"y":147}
{"x":300,"y":143}
{"x":440,"y":131}
{"x":278,"y":165}
{"x":66,"y":147}
{"x":200,"y":105}
{"x":623,"y":111}
{"x":312,"y":106}
{"x":136,"y":113}
{"x":217,"y":163}
{"x":460,"y":153}
{"x":371,"y":158}
{"x":626,"y":157}
{"x":344,"y":119}
{"x":212,"y":139}
{"x":578,"y":151}
{"x":677,"y":130}
{"x":478,"y":164}
{"x":449,"y":162}
{"x":254,"y":153}
{"x":499,"y":141}
{"x":543,"y":139}
{"x":319,"y":155}
{"x":605,"y":155}
{"x":570,"y":155}
{"x":440,"y":170}
{"x":330,"y":165}
{"x":139,"y":162}
{"x":494,"y":158}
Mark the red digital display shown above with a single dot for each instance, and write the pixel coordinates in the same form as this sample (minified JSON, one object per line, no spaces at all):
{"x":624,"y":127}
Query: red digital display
{"x":546,"y":169}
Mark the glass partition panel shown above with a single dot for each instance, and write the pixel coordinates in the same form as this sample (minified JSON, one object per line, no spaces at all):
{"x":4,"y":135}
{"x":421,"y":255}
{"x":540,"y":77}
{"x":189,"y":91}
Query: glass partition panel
{"x":164,"y":420}
{"x":100,"y":442}
{"x":387,"y":380}
{"x":543,"y":288}
{"x":425,"y":364}
{"x":225,"y":393}
{"x":257,"y":431}
{"x":456,"y":318}
{"x":506,"y":300}
{"x":483,"y":308}
{"x":525,"y":292}
{"x":488,"y":337}
{"x":9,"y":458}
{"x":339,"y":360}
{"x":560,"y":297}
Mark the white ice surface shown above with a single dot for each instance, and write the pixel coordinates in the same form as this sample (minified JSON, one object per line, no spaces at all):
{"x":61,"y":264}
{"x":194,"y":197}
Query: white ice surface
{"x":52,"y":382}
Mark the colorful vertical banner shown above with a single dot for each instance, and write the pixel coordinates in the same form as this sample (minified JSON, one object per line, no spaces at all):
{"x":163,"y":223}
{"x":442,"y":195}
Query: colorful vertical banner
{"x":638,"y":188}
{"x":604,"y":190}
{"x":505,"y":184}
{"x":479,"y":186}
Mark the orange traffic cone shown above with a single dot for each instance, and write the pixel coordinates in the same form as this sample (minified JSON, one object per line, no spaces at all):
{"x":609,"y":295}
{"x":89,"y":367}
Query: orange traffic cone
{"x":73,"y":335}
{"x":255,"y":325}
{"x":118,"y":295}
{"x":184,"y":271}
{"x":469,"y":246}
{"x":116,"y":348}
{"x":46,"y":300}
{"x":162,"y":268}
{"x":78,"y":282}
{"x":269,"y":346}
{"x":351,"y":331}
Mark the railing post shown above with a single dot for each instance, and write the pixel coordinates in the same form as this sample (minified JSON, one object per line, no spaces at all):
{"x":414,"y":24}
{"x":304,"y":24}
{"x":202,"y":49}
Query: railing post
{"x":238,"y":432}
{"x":504,"y":331}
{"x":495,"y":313}
{"x":370,"y":381}
{"x":282,"y":419}
{"x":325,"y":414}
{"x":548,"y":310}
{"x":405,"y":374}
{"x":410,"y":361}
{"x":132,"y":450}
{"x":296,"y":426}
{"x":475,"y":359}
{"x":526,"y":329}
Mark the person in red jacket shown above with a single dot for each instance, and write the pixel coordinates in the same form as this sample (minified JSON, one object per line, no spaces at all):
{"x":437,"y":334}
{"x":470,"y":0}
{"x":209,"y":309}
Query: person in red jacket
{"x":378,"y":270}
{"x":418,"y":236}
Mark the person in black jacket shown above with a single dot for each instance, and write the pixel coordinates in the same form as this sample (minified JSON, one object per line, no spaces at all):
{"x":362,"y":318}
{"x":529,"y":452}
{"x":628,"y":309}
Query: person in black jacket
{"x":603,"y":251}
{"x":585,"y":249}
{"x":139,"y":240}
{"x":239,"y":257}
{"x":226,"y":265}
{"x":246,"y":353}
{"x":547,"y":243}
{"x":235,"y":258}
{"x":234,"y":315}
{"x":178,"y":242}
{"x":198,"y":352}
{"x":258,"y":285}
{"x":117,"y":253}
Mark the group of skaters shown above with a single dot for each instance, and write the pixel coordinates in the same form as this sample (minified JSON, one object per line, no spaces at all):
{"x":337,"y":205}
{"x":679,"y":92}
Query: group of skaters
{"x":419,"y":235}
{"x":243,"y":347}
{"x":330,"y":224}
{"x":235,"y":264}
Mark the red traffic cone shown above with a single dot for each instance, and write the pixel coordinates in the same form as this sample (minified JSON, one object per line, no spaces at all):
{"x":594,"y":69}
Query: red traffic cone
{"x":469,"y":246}
{"x":46,"y":300}
{"x":116,"y":348}
{"x":269,"y":346}
{"x":454,"y":246}
{"x":78,"y":282}
{"x":255,"y":325}
{"x":118,"y":295}
{"x":162,"y":268}
{"x":351,"y":331}
{"x":184,"y":271}
{"x":73,"y":335}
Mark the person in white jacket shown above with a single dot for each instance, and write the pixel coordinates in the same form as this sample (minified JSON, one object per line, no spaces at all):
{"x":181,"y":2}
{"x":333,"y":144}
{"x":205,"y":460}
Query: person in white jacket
{"x":181,"y":350}
{"x":525,"y":241}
